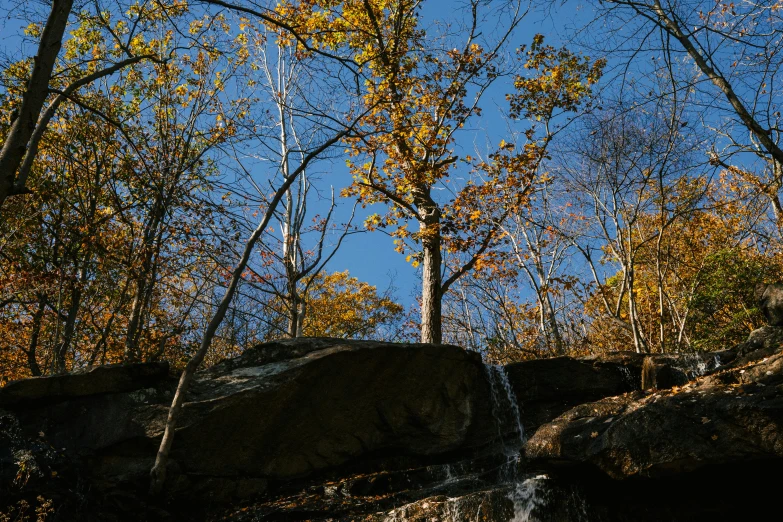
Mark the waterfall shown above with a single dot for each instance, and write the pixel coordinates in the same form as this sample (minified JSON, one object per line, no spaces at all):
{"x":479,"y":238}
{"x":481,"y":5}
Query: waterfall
{"x":698,"y":365}
{"x":505,"y":408}
{"x":540,"y":498}
{"x":531,"y":496}
{"x":527,"y":496}
{"x":493,"y":487}
{"x":506,"y":413}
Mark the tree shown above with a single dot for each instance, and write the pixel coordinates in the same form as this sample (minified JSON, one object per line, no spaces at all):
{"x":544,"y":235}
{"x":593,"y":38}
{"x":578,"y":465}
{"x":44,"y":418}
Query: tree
{"x":290,"y":267}
{"x":95,"y":29}
{"x":548,"y":98}
{"x":121,"y":174}
{"x":33,"y":99}
{"x":539,"y":252}
{"x":487,"y":312}
{"x":625,"y":165}
{"x":735,"y":47}
{"x":158,"y":472}
{"x":338,"y":128}
{"x":409,"y":153}
{"x":57,"y":241}
{"x":342,"y":306}
{"x":185,"y":99}
{"x":708,"y":300}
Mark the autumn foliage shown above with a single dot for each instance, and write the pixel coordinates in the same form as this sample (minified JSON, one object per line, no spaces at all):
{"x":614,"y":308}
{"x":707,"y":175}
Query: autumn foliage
{"x":602,"y":210}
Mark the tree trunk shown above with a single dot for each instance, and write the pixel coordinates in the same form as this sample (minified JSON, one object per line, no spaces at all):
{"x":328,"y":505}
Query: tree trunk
{"x":301,"y":318}
{"x":661,"y":308}
{"x":158,"y":471}
{"x":431,"y":321}
{"x":131,"y":339}
{"x":550,"y":324}
{"x":15,"y":145}
{"x":70,"y":326}
{"x":672,"y":27}
{"x":772,"y":190}
{"x":294,"y":320}
{"x":638,"y":342}
{"x":151,"y":242}
{"x":32,"y":360}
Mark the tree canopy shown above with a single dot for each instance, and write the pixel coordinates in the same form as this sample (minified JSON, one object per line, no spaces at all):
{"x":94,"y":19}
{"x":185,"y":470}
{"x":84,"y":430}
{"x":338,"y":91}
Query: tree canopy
{"x":180,"y":180}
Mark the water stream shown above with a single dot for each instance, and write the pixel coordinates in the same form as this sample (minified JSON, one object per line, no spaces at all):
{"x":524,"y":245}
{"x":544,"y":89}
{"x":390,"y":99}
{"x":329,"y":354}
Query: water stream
{"x":526,"y":494}
{"x":494,"y":487}
{"x":696,"y":364}
{"x":505,"y":408}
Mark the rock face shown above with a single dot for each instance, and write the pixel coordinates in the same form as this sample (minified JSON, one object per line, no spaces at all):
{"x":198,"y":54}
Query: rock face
{"x":547,"y":387}
{"x":770,"y":301}
{"x":291,"y":418}
{"x":731,"y":416}
{"x":98,"y":380}
{"x":762,"y":342}
{"x":328,"y":429}
{"x":260,"y":417}
{"x":296,"y":408}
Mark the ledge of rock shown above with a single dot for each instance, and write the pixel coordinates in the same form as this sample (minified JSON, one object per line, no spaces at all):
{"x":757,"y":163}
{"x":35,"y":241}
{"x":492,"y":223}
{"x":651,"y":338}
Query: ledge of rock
{"x":663,"y":371}
{"x":545,"y":388}
{"x":731,"y":416}
{"x":770,"y":302}
{"x":95,"y":381}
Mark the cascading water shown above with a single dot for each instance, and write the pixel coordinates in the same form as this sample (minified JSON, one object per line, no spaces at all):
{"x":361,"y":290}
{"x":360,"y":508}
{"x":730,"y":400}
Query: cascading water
{"x":698,"y":365}
{"x":505,"y":408}
{"x":493,"y":487}
{"x":526,"y":494}
{"x":527,"y":497}
{"x":508,"y":420}
{"x":532,"y":496}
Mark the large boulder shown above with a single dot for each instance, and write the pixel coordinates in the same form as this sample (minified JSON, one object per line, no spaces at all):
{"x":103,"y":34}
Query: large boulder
{"x":761,"y":342}
{"x":729,"y":417}
{"x":329,"y":407}
{"x":770,"y":302}
{"x":263,"y":416}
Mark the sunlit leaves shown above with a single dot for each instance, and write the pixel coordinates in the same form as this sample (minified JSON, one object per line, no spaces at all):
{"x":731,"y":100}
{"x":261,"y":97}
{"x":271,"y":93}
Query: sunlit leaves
{"x":561,"y":80}
{"x":343,"y":306}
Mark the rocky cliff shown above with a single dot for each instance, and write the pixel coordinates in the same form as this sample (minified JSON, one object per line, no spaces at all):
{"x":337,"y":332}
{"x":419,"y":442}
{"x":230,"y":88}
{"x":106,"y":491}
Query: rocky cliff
{"x":353,"y":430}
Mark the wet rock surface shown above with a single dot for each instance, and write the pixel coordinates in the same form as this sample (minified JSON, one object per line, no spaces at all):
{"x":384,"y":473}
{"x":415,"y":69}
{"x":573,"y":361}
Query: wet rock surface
{"x":731,"y":416}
